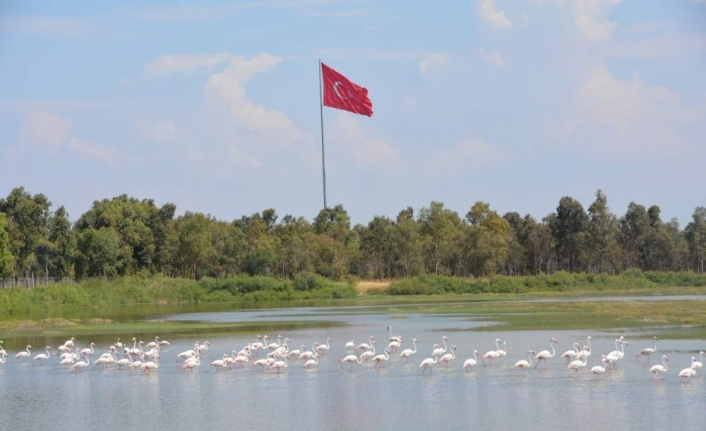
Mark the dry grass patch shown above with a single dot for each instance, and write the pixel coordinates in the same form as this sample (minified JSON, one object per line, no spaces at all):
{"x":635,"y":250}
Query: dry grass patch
{"x":364,"y":287}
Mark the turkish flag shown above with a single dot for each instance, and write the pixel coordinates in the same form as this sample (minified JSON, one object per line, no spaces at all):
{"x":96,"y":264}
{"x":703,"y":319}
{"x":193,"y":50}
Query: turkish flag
{"x":341,"y":93}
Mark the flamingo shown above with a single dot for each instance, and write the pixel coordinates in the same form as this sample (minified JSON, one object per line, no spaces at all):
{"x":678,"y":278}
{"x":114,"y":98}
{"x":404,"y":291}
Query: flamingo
{"x":273,"y":346}
{"x":80,"y":365}
{"x":149,"y":366}
{"x":449,"y":356}
{"x":393,"y":346}
{"x":278,"y":365}
{"x":350,"y":345}
{"x":397,"y":338}
{"x":204,"y":346}
{"x":153,"y":344}
{"x":123,"y":362}
{"x":297,"y":352}
{"x":696,"y":365}
{"x":2,"y":351}
{"x":311,"y":362}
{"x":406,"y":353}
{"x":656,"y":369}
{"x":221,"y":363}
{"x":598,"y":369}
{"x":523,"y":364}
{"x":427,"y":363}
{"x":70,"y":342}
{"x":438,"y":351}
{"x":576,"y":364}
{"x":492,"y":354}
{"x":687,"y":372}
{"x":571,"y":353}
{"x":502,"y":353}
{"x":24,"y":354}
{"x":103,"y":360}
{"x":187,"y":354}
{"x":365,"y":356}
{"x":164,"y":343}
{"x":586,"y":349}
{"x":266,"y":362}
{"x":545,"y":354}
{"x":321,"y":349}
{"x":42,"y":356}
{"x":470,"y":363}
{"x":379,"y":358}
{"x":88,"y":351}
{"x":191,"y":363}
{"x":136,"y":363}
{"x":134,"y":350}
{"x":119,"y":345}
{"x":350,"y":359}
{"x":366,"y":346}
{"x":648,"y":351}
{"x":616,"y":355}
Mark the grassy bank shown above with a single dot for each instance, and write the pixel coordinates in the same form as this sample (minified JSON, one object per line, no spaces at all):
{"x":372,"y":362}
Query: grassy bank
{"x":558,"y":282}
{"x":159,"y":290}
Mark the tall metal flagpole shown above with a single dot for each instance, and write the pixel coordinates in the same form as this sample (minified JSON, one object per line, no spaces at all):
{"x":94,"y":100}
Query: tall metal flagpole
{"x":321,"y":109}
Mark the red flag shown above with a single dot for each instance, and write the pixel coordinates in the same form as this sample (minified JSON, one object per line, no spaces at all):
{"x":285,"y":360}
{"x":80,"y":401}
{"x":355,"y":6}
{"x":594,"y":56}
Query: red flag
{"x":341,"y":93}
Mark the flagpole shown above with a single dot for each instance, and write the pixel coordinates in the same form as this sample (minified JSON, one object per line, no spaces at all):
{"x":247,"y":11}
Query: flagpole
{"x":321,"y":110}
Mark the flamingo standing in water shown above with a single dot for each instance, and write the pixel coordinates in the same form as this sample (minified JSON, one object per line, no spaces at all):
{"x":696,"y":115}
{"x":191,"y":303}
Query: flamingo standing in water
{"x":492,"y":354}
{"x":648,"y":351}
{"x":576,"y":364}
{"x":449,"y":356}
{"x":80,"y":365}
{"x":598,"y":369}
{"x":470,"y":363}
{"x":569,"y":354}
{"x":366,"y":346}
{"x":321,"y":348}
{"x":545,"y":354}
{"x":696,"y":365}
{"x":24,"y":354}
{"x":687,"y":372}
{"x":42,"y":356}
{"x":311,"y":362}
{"x":438,"y":351}
{"x":406,"y":353}
{"x":524,"y":364}
{"x":656,"y":369}
{"x":380,"y":358}
{"x":350,"y":359}
{"x":427,"y":363}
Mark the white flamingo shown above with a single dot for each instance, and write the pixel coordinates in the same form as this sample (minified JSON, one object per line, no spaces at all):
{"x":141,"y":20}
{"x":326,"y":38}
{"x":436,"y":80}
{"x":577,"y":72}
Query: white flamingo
{"x":492,"y":354}
{"x":546,"y":354}
{"x":152,"y":344}
{"x":42,"y":356}
{"x":350,"y":345}
{"x":648,"y":351}
{"x":366,"y":346}
{"x":70,"y":342}
{"x":265,"y":362}
{"x":576,"y":364}
{"x":191,"y":363}
{"x":427,"y":363}
{"x":687,"y":372}
{"x":571,"y":354}
{"x":150,"y":366}
{"x":24,"y":354}
{"x":449,"y":356}
{"x":470,"y":363}
{"x":311,"y":362}
{"x":586,"y":352}
{"x":186,"y":354}
{"x":503,"y":352}
{"x":696,"y":365}
{"x":80,"y":365}
{"x":397,"y":338}
{"x":380,"y":358}
{"x":365,"y":356}
{"x":406,"y":353}
{"x":523,"y":364}
{"x":88,"y":351}
{"x":438,"y":351}
{"x":350,"y":359}
{"x":297,"y":352}
{"x":393,"y":346}
{"x":656,"y":369}
{"x":321,"y":349}
{"x":123,"y":362}
{"x":221,"y":363}
{"x":600,"y":369}
{"x":278,"y":365}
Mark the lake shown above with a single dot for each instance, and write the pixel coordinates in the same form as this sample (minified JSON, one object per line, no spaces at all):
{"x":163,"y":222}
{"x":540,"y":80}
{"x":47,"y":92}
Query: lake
{"x":329,"y":398}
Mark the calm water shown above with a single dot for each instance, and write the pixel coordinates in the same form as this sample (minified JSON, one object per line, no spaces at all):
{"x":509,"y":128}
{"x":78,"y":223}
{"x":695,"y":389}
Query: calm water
{"x":327,"y":398}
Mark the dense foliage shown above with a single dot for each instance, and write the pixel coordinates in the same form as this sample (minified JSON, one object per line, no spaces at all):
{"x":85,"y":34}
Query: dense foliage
{"x":124,"y":236}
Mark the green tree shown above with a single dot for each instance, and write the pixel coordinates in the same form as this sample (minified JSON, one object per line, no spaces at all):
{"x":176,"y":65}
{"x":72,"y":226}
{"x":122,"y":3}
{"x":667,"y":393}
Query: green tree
{"x":487,"y":240}
{"x":406,"y":244}
{"x":602,"y":249}
{"x":27,"y":217}
{"x":440,"y":229}
{"x":194,"y":246}
{"x":568,"y":229}
{"x":6,"y":257}
{"x":633,"y":228}
{"x":696,"y":238}
{"x":375,"y":244}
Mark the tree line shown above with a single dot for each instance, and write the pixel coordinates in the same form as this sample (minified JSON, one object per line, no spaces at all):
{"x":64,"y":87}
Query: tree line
{"x":124,"y":236}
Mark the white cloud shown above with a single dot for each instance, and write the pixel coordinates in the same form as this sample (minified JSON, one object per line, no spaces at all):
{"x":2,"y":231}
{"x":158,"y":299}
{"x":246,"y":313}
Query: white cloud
{"x":158,"y":131}
{"x":591,"y":19}
{"x":186,"y":63}
{"x":229,"y":87}
{"x":435,"y":62}
{"x":366,"y":150}
{"x":496,"y":18}
{"x":471,"y":152}
{"x":622,"y":104}
{"x":53,"y":132}
{"x":628,"y":120}
{"x":493,"y":58}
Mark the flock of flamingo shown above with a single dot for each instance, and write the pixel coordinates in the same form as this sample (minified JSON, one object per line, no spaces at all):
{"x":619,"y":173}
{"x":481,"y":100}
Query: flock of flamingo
{"x":276,"y":355}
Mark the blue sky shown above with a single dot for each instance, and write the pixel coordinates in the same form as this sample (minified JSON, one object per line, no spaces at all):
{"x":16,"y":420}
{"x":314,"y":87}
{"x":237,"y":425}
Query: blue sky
{"x":214,"y":105}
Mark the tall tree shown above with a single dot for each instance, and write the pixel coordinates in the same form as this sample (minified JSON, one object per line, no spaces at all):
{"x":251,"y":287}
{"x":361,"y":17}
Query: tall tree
{"x":633,"y":227}
{"x":440,"y":229}
{"x":696,"y":237}
{"x":6,"y":257}
{"x":406,"y":243}
{"x":487,"y":240}
{"x":568,"y":229}
{"x":602,"y":237}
